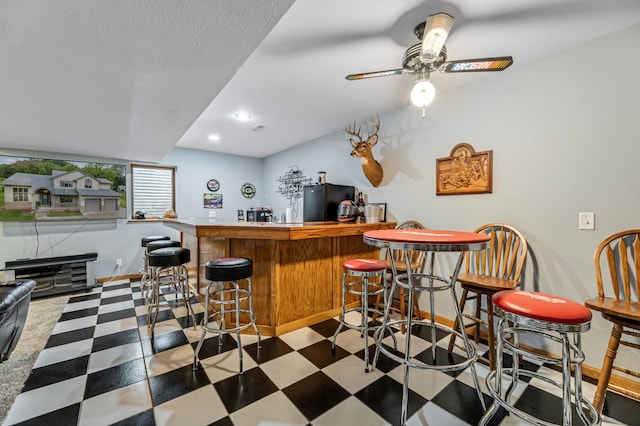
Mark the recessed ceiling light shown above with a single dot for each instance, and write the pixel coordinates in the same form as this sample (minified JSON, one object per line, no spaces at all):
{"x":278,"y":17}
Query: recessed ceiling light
{"x":214,"y":138}
{"x":242,"y":116}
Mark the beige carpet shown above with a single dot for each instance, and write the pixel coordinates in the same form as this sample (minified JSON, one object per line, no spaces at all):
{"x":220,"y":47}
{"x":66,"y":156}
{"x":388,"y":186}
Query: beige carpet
{"x":42,"y":317}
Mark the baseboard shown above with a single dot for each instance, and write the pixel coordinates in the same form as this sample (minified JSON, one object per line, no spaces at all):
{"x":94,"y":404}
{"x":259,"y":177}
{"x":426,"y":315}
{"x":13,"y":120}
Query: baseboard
{"x":132,"y":277}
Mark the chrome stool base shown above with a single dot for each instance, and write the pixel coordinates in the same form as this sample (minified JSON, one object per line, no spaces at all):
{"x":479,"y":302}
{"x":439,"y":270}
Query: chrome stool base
{"x":511,"y":327}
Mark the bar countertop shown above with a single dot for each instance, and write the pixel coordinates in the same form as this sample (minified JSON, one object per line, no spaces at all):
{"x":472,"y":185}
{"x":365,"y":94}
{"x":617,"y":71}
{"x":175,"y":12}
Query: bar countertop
{"x":213,"y":228}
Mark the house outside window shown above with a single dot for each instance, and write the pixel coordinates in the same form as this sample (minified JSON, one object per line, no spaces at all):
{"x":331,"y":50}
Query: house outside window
{"x":153,"y":190}
{"x":66,"y":184}
{"x":88,"y":184}
{"x":66,"y":199}
{"x":20,"y":194}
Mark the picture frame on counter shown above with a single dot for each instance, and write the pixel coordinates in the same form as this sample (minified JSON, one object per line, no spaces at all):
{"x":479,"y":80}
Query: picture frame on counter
{"x":383,"y":210}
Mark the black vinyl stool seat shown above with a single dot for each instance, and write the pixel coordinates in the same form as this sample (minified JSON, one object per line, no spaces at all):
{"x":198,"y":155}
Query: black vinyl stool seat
{"x":227,"y":298}
{"x":146,"y":240}
{"x":146,"y":282}
{"x":169,"y":277}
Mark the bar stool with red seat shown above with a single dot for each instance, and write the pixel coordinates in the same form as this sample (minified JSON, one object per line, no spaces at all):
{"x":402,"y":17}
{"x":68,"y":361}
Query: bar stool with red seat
{"x":363,"y":269}
{"x":555,"y":319}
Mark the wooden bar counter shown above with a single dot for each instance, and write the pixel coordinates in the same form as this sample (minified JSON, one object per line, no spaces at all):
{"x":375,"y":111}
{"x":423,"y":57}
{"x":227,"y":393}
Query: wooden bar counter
{"x":297,"y":269}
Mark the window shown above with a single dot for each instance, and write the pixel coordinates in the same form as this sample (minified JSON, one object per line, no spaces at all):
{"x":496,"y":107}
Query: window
{"x":20,"y":194}
{"x":88,"y":184}
{"x":153,"y":190}
{"x":66,"y":199}
{"x":66,"y":184}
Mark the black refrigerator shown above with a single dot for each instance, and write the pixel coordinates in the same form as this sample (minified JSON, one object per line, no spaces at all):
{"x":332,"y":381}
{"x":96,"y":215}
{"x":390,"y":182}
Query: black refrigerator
{"x":320,"y":202}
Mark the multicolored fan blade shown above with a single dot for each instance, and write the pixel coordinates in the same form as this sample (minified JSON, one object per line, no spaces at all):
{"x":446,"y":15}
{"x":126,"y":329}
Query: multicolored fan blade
{"x":375,"y":74}
{"x":477,"y":65}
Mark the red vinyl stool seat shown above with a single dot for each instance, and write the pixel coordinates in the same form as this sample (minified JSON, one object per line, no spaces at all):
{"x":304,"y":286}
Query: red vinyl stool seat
{"x":555,"y":320}
{"x":364,"y":269}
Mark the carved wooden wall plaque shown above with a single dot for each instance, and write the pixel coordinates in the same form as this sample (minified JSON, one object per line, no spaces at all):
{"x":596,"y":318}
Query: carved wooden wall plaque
{"x":465,"y":171}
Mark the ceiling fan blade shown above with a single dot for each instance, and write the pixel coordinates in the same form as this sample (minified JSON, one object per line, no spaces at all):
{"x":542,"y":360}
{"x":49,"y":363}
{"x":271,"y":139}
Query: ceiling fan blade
{"x":435,"y":33}
{"x":375,"y":74}
{"x":477,"y":65}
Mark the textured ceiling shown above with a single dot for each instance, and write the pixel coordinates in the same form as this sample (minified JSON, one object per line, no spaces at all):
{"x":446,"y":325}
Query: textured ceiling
{"x":132,"y":79}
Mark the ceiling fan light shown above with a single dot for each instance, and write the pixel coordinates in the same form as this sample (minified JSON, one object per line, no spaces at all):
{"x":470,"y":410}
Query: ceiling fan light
{"x":423,"y":93}
{"x":439,"y":26}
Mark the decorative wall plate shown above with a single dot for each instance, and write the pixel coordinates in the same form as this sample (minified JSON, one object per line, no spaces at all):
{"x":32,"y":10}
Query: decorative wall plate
{"x":248,"y":190}
{"x":213,"y":185}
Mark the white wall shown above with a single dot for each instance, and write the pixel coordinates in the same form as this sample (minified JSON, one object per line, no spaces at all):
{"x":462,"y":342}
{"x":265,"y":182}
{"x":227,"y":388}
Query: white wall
{"x":113,"y":238}
{"x":564,"y":134}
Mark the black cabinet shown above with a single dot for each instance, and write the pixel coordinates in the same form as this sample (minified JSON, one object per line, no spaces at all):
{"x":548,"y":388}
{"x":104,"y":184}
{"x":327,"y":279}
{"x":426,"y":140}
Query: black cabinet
{"x":55,"y":275}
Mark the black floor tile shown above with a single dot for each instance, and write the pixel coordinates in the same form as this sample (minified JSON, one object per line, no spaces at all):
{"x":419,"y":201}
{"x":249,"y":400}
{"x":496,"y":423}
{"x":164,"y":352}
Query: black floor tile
{"x":271,"y":348}
{"x":321,"y":353}
{"x":116,"y":377}
{"x":443,"y":358}
{"x":326,"y":328}
{"x":115,"y":299}
{"x":64,"y":416}
{"x":315,"y":394}
{"x":225,"y":421}
{"x":533,"y":399}
{"x":384,"y":396}
{"x":211,"y":346}
{"x":146,"y":418}
{"x":70,"y":337}
{"x":116,"y":315}
{"x":163,"y":315}
{"x":55,"y":373}
{"x":85,"y":297}
{"x":621,"y":408}
{"x":164,"y":342}
{"x":116,"y":339}
{"x":81,"y":313}
{"x":106,"y":289}
{"x":187,"y":320}
{"x":462,"y":401}
{"x":175,"y":383}
{"x":241,"y":390}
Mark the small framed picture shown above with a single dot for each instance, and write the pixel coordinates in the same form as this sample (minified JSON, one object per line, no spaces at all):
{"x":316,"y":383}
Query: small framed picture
{"x":383,"y":210}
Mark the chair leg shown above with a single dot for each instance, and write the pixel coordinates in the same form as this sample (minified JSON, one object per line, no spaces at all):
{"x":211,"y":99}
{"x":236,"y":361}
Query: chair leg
{"x":607,"y":365}
{"x":456,"y":325}
{"x":492,"y":336}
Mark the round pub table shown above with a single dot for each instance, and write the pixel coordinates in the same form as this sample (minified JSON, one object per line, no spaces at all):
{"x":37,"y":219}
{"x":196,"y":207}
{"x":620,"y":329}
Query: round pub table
{"x":430,"y":241}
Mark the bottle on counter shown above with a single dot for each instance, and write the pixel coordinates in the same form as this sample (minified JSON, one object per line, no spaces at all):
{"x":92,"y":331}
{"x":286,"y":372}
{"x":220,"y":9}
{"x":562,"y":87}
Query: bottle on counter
{"x":360,"y":208}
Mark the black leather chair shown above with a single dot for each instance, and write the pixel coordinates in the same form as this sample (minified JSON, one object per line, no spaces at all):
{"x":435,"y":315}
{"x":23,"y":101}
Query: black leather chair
{"x":14,"y":305}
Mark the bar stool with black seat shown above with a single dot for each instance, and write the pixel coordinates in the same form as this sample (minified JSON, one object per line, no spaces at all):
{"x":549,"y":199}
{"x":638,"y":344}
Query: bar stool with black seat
{"x":364,"y":269}
{"x":228,"y":299}
{"x":144,"y":241}
{"x":555,"y":320}
{"x":170,"y":278}
{"x":147,"y":281}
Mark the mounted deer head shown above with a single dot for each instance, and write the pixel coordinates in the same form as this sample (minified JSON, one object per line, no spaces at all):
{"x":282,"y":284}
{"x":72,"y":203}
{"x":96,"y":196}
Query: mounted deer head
{"x":362,"y":149}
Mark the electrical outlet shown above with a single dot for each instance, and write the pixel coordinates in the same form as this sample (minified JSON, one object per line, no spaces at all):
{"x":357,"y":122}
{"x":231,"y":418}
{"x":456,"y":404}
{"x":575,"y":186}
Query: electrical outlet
{"x":118,"y":262}
{"x":587,"y":220}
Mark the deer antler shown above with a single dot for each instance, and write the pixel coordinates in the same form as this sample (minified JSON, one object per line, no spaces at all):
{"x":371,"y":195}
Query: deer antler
{"x":376,"y":125}
{"x":353,"y":132}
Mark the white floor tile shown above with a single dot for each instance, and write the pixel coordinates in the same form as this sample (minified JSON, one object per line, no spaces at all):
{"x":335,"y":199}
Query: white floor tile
{"x":431,"y":414}
{"x":114,"y":307}
{"x":350,"y":412}
{"x":288,"y":369}
{"x":424,"y":382}
{"x":77,"y":306}
{"x":75,"y":324}
{"x":48,"y":398}
{"x":189,"y":409}
{"x":114,"y":356}
{"x":349,"y":373}
{"x":275,"y":409}
{"x":63,"y":352}
{"x":111,"y":327}
{"x":110,"y":407}
{"x":169,"y":360}
{"x":225,"y":365}
{"x":302,"y":338}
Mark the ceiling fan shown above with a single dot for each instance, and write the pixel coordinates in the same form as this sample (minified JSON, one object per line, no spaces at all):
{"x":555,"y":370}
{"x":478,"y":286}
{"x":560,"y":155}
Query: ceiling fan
{"x":430,"y":55}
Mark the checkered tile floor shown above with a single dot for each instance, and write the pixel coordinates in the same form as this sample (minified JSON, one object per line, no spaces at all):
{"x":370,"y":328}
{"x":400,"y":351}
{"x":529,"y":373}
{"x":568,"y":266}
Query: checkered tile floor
{"x":99,"y":367}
